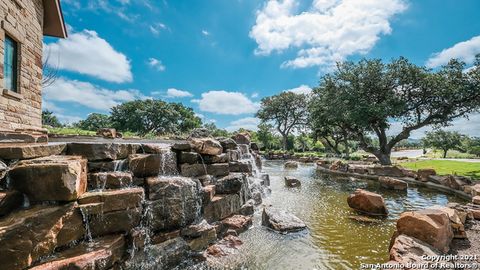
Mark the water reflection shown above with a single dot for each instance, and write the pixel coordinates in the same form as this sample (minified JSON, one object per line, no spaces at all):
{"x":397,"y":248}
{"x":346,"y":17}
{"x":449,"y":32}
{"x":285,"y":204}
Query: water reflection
{"x":333,"y":241}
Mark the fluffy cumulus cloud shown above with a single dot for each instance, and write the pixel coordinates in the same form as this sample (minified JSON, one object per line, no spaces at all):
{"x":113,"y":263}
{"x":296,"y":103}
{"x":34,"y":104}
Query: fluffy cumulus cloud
{"x":87,"y":53}
{"x":87,"y":94}
{"x":302,"y":89}
{"x":176,"y":93}
{"x":465,"y":51}
{"x":250,"y":123}
{"x":326,"y":32}
{"x":223,"y":102}
{"x":156,"y":64}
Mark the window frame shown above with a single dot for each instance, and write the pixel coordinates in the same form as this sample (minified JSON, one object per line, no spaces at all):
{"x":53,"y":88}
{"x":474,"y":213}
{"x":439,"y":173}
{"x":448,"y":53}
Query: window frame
{"x":14,"y":64}
{"x":8,"y":30}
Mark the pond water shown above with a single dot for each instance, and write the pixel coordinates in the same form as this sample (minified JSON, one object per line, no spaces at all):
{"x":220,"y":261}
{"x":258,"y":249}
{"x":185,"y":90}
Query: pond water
{"x":333,"y":241}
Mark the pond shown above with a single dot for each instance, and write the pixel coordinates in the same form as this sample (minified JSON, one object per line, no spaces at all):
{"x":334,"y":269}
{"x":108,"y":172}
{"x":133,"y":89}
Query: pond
{"x":333,"y":241}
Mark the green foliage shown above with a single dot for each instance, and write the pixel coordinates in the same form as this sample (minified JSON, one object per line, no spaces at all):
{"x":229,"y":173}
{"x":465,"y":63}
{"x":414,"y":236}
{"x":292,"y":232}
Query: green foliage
{"x":94,"y":122}
{"x":472,"y":145}
{"x":216,"y":132}
{"x":443,"y":140}
{"x":154,"y":116}
{"x":49,"y":119}
{"x":286,"y":111}
{"x":265,"y":136}
{"x":70,"y":131}
{"x":363,"y":98}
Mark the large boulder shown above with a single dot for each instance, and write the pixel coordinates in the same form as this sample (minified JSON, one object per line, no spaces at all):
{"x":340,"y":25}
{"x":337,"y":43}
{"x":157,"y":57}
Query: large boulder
{"x":290,"y":165}
{"x":218,"y":169}
{"x":222,"y":206}
{"x":424,"y":174}
{"x":114,"y":200}
{"x":456,"y":222}
{"x":200,"y":133}
{"x":227,"y":143}
{"x":53,"y":178}
{"x":281,"y":221}
{"x":189,"y":157}
{"x":339,"y":165}
{"x":199,"y":236}
{"x":109,"y":180}
{"x":408,"y":250}
{"x":430,"y":226}
{"x":121,"y":221}
{"x":367,"y":202}
{"x":222,"y":158}
{"x":193,"y":170}
{"x":165,"y":255}
{"x":240,"y":167}
{"x":15,"y":151}
{"x":109,"y":133}
{"x":242,"y":138}
{"x":381,"y":170}
{"x":475,"y":190}
{"x":9,"y":201}
{"x":26,"y":236}
{"x":238,"y":223}
{"x":175,"y":202}
{"x":145,"y":165}
{"x":292,"y":181}
{"x":231,"y":183}
{"x":101,"y":254}
{"x":392,"y":183}
{"x":102,"y":151}
{"x":206,"y":146}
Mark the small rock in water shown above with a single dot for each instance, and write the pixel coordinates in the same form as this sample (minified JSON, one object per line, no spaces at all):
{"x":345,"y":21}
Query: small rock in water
{"x":292,"y":182}
{"x":290,"y":165}
{"x":281,"y":221}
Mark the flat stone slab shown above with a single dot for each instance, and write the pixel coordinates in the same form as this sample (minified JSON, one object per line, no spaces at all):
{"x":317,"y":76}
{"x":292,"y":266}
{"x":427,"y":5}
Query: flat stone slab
{"x":28,"y":235}
{"x":145,"y":165}
{"x":31,"y":150}
{"x":114,"y":200}
{"x":102,"y":151}
{"x":100,"y":254}
{"x":281,"y":221}
{"x":109,"y":180}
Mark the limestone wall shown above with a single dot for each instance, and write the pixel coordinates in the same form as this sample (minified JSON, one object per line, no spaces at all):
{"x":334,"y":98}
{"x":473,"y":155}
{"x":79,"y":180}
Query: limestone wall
{"x":138,"y":206}
{"x":22,"y":20}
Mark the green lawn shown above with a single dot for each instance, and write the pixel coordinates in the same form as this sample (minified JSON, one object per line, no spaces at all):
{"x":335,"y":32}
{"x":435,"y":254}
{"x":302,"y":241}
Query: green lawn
{"x":443,"y":167}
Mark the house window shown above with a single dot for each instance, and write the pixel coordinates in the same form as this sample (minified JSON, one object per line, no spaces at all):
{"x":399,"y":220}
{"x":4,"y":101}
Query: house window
{"x":10,"y":69}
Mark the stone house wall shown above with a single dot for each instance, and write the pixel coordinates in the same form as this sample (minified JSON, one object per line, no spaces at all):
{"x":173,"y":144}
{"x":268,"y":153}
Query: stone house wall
{"x":22,"y":20}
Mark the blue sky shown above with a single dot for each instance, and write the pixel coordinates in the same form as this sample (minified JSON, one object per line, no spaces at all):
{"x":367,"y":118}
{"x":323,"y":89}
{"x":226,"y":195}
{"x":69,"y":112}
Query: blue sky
{"x":221,"y":57}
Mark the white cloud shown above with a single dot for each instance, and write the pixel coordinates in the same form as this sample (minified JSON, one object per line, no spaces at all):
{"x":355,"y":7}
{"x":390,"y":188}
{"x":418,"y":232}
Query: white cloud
{"x":87,"y":53}
{"x":254,"y":95}
{"x":465,"y":51}
{"x":87,"y":94}
{"x":250,"y":123}
{"x":205,"y":32}
{"x":329,"y":31}
{"x":223,"y":102}
{"x":157,"y":64}
{"x":176,"y":93}
{"x":302,"y":89}
{"x":157,"y":28}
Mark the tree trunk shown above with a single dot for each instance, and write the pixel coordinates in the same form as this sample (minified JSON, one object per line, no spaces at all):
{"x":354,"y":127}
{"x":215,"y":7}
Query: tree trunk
{"x":445,"y":153}
{"x":383,"y":158}
{"x":347,"y":149}
{"x":285,"y":141}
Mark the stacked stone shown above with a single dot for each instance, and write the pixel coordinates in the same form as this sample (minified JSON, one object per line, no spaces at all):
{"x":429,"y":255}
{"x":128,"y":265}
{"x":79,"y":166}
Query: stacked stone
{"x":88,"y":204}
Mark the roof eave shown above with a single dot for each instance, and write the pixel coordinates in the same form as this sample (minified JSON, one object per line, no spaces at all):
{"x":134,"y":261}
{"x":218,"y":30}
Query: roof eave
{"x":53,"y":22}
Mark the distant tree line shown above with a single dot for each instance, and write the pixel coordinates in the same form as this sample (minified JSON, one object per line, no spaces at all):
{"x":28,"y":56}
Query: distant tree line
{"x":139,"y":116}
{"x":356,"y":104}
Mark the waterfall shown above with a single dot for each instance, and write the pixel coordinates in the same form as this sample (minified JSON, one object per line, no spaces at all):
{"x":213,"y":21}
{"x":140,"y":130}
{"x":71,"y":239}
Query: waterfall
{"x":86,"y":223}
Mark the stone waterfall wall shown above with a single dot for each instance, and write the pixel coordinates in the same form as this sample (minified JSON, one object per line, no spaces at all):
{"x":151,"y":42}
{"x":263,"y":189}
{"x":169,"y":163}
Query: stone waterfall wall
{"x":123,"y":206}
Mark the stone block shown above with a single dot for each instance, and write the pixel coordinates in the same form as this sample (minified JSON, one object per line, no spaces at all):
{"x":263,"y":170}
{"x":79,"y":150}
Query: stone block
{"x":206,"y":146}
{"x":193,"y":170}
{"x":229,"y":184}
{"x":145,"y":165}
{"x":114,"y":200}
{"x":109,"y":180}
{"x":218,"y":169}
{"x":9,"y":201}
{"x":189,"y":157}
{"x":222,"y":206}
{"x":240,"y":167}
{"x":53,"y":178}
{"x":9,"y":152}
{"x":121,"y":221}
